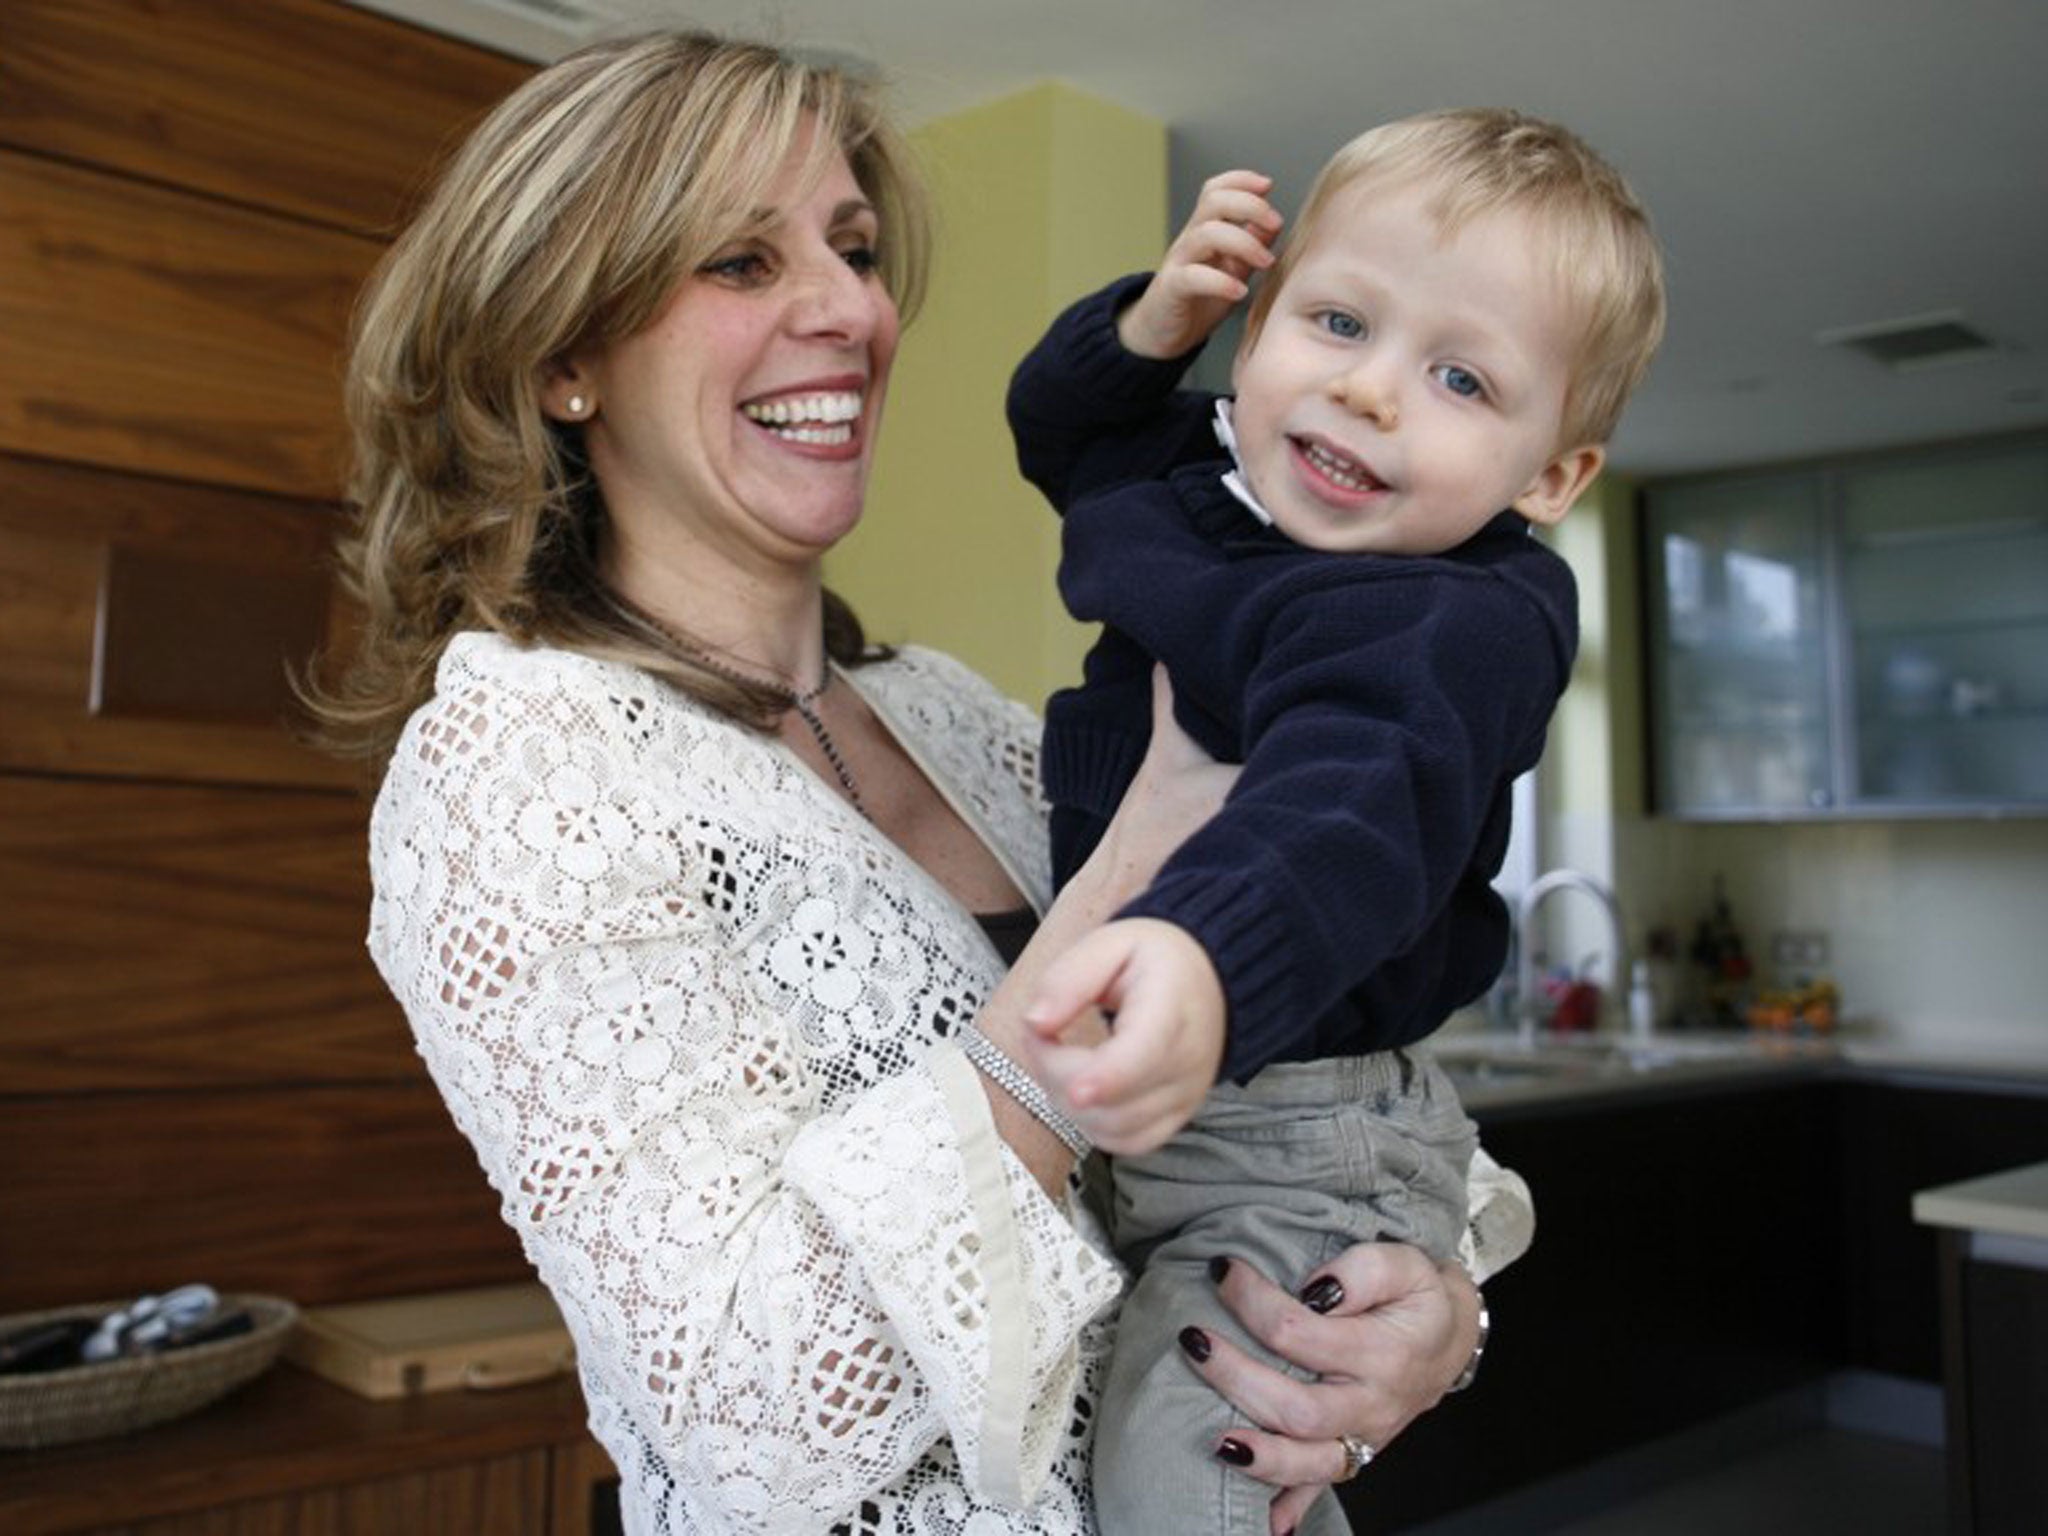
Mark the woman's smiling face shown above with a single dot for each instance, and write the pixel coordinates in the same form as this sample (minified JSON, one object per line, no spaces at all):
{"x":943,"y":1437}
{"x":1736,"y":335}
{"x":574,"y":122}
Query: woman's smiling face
{"x":743,"y":418}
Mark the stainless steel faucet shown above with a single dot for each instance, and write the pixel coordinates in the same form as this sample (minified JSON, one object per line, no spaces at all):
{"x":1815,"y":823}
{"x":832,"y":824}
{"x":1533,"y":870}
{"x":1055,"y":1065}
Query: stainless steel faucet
{"x":1526,"y":1004}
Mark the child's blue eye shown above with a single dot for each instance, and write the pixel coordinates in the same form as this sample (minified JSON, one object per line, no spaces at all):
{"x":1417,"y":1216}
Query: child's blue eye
{"x":1461,"y":381}
{"x":1339,"y":324}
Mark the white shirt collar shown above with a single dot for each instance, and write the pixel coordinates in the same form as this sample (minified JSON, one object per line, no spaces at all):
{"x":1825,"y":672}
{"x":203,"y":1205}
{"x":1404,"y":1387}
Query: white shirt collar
{"x":1233,"y":478}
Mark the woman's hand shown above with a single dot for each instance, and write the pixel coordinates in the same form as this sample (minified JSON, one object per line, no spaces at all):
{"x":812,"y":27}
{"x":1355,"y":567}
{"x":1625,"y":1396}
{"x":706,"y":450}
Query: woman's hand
{"x":1384,"y":1328}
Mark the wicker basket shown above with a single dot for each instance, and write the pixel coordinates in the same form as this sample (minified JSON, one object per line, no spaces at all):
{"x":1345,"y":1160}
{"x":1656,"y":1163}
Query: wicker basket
{"x":113,"y":1397}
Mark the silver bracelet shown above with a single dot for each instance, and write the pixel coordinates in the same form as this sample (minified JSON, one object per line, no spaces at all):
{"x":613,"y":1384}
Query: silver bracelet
{"x":1471,"y":1372}
{"x":1021,"y":1086}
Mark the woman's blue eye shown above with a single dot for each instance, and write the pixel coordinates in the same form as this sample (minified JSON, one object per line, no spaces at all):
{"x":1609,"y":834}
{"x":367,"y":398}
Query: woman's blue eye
{"x":864,"y":259}
{"x":1337,"y":323}
{"x":1461,"y":381}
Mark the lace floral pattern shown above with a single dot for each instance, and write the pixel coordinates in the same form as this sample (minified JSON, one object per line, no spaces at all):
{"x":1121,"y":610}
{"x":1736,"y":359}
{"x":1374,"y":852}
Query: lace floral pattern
{"x":690,"y":1010}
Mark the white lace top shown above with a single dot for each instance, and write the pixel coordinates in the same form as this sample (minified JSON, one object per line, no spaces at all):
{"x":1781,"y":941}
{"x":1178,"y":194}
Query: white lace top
{"x":690,"y":1008}
{"x":684,"y":1001}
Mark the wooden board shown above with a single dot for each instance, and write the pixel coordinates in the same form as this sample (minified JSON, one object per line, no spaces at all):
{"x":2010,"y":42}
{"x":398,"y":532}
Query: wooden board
{"x":156,"y":936}
{"x":402,"y":1346}
{"x":159,"y":332}
{"x":65,"y":531}
{"x":300,"y":106}
{"x":316,"y":1194}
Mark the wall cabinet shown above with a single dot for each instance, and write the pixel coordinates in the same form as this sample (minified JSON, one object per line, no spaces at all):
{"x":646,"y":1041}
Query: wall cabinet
{"x":1862,"y":638}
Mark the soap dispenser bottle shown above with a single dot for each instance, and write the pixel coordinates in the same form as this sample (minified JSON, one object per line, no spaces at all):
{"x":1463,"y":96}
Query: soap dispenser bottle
{"x":1642,"y":1000}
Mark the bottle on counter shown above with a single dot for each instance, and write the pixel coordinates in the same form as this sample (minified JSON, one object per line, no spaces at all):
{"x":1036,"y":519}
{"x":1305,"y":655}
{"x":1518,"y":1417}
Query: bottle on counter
{"x":1642,"y":1000}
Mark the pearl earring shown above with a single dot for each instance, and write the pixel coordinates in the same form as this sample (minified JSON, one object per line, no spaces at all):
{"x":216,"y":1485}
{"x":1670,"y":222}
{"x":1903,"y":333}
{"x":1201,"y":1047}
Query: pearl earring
{"x":577,"y":404}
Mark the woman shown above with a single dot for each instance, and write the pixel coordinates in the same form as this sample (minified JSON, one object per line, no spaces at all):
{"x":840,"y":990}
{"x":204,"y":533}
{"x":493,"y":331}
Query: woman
{"x":678,"y":880}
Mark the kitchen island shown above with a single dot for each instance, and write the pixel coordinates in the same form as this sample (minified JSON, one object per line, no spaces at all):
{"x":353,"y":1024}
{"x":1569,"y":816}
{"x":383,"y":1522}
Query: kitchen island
{"x":1993,"y":1233}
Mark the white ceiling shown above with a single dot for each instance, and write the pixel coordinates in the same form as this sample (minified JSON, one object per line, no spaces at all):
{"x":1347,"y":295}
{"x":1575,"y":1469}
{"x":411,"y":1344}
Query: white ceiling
{"x":1812,"y":164}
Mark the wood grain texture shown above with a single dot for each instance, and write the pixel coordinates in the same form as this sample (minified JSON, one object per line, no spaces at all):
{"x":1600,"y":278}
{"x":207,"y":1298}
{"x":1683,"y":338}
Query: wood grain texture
{"x":58,"y":526}
{"x":308,"y":107}
{"x":580,"y":1470}
{"x":507,"y":1497}
{"x":157,"y":936}
{"x":317,"y":1194}
{"x":285,"y":1434}
{"x":154,"y":331}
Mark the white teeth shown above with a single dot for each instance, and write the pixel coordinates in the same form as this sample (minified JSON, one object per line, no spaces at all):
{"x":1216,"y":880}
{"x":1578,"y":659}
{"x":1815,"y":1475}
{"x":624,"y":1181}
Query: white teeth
{"x":808,"y":418}
{"x":1347,"y":473}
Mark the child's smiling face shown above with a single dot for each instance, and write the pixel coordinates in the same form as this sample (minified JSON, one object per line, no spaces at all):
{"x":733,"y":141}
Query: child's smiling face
{"x":1406,"y":384}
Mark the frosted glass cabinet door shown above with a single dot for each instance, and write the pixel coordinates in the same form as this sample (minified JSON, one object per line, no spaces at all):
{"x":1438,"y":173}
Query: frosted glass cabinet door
{"x":1945,"y":590}
{"x":1739,"y":647}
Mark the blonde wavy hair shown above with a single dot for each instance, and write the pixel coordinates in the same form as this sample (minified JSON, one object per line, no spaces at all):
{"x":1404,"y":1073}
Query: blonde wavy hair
{"x":1598,"y":236}
{"x":567,"y":219}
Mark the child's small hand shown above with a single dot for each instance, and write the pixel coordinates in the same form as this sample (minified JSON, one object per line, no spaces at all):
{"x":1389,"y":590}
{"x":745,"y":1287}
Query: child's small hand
{"x":1204,"y":273}
{"x":1134,"y":1089}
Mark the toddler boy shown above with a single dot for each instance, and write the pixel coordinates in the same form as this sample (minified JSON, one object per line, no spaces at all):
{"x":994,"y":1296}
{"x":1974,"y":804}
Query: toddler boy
{"x":1336,"y":571}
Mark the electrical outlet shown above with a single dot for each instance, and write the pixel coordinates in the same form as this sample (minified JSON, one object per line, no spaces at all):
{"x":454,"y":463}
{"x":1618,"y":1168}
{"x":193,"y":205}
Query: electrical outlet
{"x":1800,"y":949}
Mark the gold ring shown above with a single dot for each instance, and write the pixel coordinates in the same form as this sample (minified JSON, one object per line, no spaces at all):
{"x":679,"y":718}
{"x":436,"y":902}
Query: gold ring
{"x":1357,"y":1456}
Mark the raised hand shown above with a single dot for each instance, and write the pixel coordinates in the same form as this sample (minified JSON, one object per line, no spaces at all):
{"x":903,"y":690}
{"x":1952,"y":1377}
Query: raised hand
{"x":1206,"y":271}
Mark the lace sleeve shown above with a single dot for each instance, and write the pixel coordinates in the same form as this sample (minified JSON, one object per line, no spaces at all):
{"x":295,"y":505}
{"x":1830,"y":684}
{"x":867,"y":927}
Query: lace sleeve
{"x":794,"y":1264}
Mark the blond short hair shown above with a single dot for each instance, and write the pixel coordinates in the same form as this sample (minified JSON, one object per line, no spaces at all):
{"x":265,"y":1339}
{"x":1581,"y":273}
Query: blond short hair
{"x":566,"y":220}
{"x":1484,"y":160}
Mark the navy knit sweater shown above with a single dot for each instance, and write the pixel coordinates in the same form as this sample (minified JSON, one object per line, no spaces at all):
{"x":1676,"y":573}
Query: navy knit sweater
{"x":1381,"y":707}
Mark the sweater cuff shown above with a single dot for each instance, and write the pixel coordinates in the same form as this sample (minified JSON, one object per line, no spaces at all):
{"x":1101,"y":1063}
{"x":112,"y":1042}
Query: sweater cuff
{"x":1106,"y":372}
{"x":1246,"y":940}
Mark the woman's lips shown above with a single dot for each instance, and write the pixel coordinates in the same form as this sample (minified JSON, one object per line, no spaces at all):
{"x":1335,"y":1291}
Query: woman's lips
{"x":819,"y":418}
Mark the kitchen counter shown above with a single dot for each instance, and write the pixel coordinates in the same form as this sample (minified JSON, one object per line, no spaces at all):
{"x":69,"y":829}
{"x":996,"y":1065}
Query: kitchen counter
{"x":2012,"y":1204}
{"x":1994,"y":1327}
{"x":1496,"y":1072}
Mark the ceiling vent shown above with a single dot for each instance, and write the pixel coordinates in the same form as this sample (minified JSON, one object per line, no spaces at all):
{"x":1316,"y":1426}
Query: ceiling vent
{"x":1918,"y":341}
{"x":578,"y":17}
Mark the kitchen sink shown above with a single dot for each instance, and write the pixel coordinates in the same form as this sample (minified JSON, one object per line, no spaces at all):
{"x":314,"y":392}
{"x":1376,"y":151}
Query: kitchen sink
{"x":1489,"y":1066}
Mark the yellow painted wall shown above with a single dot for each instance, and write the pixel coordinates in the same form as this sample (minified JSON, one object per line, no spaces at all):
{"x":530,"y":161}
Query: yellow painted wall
{"x":1039,"y":197}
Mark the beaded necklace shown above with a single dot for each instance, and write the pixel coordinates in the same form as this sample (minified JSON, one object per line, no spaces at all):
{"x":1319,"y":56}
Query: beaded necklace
{"x":805,"y":703}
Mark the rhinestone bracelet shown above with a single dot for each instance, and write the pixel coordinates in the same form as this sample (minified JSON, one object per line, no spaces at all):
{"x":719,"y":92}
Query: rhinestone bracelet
{"x":1021,"y":1086}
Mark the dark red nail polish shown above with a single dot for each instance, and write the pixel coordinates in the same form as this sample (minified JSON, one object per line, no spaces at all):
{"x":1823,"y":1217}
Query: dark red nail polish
{"x":1218,"y":1268}
{"x":1322,"y":1295}
{"x":1196,"y":1343}
{"x":1236,"y":1452}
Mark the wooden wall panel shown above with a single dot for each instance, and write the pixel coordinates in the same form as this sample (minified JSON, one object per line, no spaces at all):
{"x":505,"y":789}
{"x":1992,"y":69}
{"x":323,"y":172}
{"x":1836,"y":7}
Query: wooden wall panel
{"x":156,"y":936}
{"x":309,"y":107}
{"x":60,"y":526}
{"x":150,"y":330}
{"x":200,"y":1074}
{"x":317,"y":1194}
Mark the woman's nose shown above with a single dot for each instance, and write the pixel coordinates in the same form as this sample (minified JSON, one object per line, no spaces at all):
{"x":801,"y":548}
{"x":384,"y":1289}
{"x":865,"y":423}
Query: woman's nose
{"x":835,"y":301}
